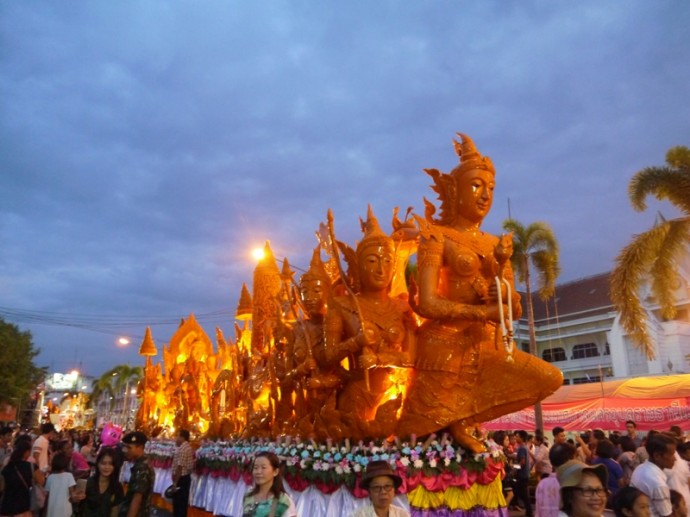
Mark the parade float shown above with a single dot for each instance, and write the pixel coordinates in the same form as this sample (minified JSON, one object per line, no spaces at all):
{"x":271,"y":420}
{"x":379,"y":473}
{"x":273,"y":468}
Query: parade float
{"x":361,"y":358}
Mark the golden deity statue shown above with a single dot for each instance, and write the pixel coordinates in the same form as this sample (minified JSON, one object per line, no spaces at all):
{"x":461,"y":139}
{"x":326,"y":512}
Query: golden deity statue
{"x":463,"y":374}
{"x":375,"y":333}
{"x":365,"y":353}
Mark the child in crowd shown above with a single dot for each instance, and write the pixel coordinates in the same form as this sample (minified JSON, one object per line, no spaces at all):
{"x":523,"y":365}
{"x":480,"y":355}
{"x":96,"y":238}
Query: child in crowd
{"x":60,"y":486}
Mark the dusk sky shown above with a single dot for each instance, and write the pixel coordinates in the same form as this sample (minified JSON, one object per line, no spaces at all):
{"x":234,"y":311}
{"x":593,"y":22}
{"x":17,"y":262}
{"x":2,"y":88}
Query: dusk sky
{"x":146,"y":146}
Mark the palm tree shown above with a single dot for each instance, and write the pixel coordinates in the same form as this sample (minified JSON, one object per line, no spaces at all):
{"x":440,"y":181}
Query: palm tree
{"x":655,"y":251}
{"x":535,"y":244}
{"x":99,"y":387}
{"x":116,"y":381}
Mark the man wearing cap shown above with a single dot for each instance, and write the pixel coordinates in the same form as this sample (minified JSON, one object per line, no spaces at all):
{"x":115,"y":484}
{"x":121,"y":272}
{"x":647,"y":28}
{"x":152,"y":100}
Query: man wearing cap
{"x":137,"y":501}
{"x":583,"y":488}
{"x":650,"y":478}
{"x":381,"y":481}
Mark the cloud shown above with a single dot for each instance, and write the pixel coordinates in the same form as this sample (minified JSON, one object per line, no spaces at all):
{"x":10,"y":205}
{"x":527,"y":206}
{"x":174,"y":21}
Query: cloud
{"x":146,"y":147}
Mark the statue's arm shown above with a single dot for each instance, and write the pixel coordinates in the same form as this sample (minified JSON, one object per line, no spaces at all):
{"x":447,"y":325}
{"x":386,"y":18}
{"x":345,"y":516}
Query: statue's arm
{"x":334,"y":347}
{"x":515,"y":296}
{"x":431,"y":304}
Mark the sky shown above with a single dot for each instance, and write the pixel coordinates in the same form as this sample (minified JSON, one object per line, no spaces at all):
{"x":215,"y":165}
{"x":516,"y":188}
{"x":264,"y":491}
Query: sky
{"x":147,"y":146}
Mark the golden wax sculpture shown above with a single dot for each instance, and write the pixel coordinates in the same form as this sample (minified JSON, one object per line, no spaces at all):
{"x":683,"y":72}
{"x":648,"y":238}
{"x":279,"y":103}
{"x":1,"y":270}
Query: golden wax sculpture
{"x":354,"y":353}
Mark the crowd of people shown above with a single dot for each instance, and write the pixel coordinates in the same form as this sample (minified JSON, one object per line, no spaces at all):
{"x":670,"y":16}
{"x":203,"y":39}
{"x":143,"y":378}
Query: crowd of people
{"x":70,"y":474}
{"x":625,"y":472}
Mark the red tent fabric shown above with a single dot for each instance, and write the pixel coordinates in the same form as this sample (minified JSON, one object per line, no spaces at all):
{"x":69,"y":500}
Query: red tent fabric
{"x":652,"y":402}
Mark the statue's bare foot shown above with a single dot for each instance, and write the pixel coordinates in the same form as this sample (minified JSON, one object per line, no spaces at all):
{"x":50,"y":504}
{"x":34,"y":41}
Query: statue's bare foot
{"x":462,"y":434}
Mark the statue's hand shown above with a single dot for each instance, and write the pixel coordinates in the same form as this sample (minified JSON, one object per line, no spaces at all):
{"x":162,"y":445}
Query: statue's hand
{"x":492,"y":296}
{"x":493,"y":312}
{"x":368,"y":360}
{"x":368,"y":335}
{"x":309,"y":365}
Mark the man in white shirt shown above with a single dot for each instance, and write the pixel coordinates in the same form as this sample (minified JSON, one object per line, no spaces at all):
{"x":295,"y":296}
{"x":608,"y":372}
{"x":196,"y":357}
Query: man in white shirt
{"x":650,"y":478}
{"x":40,"y":452}
{"x":679,"y":475}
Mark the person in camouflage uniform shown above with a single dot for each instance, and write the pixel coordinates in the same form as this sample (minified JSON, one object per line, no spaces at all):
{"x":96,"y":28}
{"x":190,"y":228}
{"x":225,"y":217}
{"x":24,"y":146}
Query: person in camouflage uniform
{"x":137,"y":501}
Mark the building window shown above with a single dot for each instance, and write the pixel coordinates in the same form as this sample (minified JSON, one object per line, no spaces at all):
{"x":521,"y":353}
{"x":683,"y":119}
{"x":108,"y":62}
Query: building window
{"x":584,"y":351}
{"x":586,"y":380}
{"x":553,"y":354}
{"x":607,"y":349}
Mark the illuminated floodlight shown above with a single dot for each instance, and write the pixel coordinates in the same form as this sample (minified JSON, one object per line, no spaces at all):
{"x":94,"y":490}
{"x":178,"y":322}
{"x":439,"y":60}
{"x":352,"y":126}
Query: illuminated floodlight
{"x":258,"y":253}
{"x":123,"y":341}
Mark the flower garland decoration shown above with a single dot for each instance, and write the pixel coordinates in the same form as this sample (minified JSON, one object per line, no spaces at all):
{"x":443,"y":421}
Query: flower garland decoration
{"x":160,"y":453}
{"x":329,"y":465}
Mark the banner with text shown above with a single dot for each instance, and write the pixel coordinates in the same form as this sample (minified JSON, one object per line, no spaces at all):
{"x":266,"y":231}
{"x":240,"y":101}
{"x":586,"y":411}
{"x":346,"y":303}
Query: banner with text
{"x":606,"y":413}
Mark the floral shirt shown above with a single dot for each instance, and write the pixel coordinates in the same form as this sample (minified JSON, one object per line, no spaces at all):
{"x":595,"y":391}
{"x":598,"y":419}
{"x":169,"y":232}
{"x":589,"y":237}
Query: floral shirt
{"x":253,"y":508}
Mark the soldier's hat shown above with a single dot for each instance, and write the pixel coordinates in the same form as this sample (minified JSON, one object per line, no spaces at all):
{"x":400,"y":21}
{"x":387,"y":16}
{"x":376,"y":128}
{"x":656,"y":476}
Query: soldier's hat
{"x":135,"y":438}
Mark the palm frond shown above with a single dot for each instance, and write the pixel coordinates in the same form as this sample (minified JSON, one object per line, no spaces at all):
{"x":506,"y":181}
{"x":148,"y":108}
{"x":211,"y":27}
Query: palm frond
{"x":663,"y":272}
{"x":662,"y":183}
{"x":548,"y":269}
{"x":631,"y":265}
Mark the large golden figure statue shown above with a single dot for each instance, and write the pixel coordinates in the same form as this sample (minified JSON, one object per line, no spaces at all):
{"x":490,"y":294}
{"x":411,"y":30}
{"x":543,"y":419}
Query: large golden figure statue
{"x":375,"y":333}
{"x":343,"y":354}
{"x":464,"y":372}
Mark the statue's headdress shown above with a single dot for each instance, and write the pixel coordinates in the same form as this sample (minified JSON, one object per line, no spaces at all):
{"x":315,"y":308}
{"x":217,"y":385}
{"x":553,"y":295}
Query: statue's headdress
{"x":373,"y":235}
{"x":446,"y":185}
{"x":316,"y":270}
{"x":470,"y":159}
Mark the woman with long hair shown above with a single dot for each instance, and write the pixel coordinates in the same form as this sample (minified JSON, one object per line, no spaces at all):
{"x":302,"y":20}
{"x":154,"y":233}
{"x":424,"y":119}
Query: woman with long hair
{"x":19,"y":475}
{"x":267,"y":498}
{"x":104,"y":492}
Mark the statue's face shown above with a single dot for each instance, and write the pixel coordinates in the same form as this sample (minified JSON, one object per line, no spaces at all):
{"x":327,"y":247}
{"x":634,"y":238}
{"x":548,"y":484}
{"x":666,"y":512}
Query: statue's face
{"x":375,"y":267}
{"x":314,"y":294}
{"x":475,"y":194}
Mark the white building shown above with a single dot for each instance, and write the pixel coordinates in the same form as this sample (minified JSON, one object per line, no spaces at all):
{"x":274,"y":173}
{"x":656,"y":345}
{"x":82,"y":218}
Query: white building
{"x":578,"y":331}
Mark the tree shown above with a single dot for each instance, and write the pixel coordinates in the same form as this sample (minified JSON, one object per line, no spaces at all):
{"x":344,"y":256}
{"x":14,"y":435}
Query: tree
{"x":102,"y":386}
{"x":653,"y":253}
{"x":20,"y":376}
{"x":536,"y":245}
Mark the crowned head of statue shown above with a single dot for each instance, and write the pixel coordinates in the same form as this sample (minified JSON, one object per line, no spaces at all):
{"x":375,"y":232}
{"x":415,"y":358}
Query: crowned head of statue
{"x":315,"y":286}
{"x":375,"y":256}
{"x":474,"y":180}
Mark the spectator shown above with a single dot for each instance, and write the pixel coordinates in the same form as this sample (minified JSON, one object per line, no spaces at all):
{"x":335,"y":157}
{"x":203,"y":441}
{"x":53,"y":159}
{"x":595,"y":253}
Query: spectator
{"x":523,"y":464}
{"x":583,"y":489}
{"x":182,"y":467}
{"x":631,"y":502}
{"x":547,"y":495}
{"x":268,"y":497}
{"x":5,"y":445}
{"x":676,"y":431}
{"x":137,"y":502}
{"x":678,"y":477}
{"x":628,"y":460}
{"x":41,"y":447}
{"x":631,"y":428}
{"x":684,"y":450}
{"x":680,"y":509}
{"x":104,"y":492}
{"x":542,"y":465}
{"x":558,"y":435}
{"x":650,"y":477}
{"x":604,"y":456}
{"x":503,"y":441}
{"x":19,"y":475}
{"x":641,"y":452}
{"x":61,"y":488}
